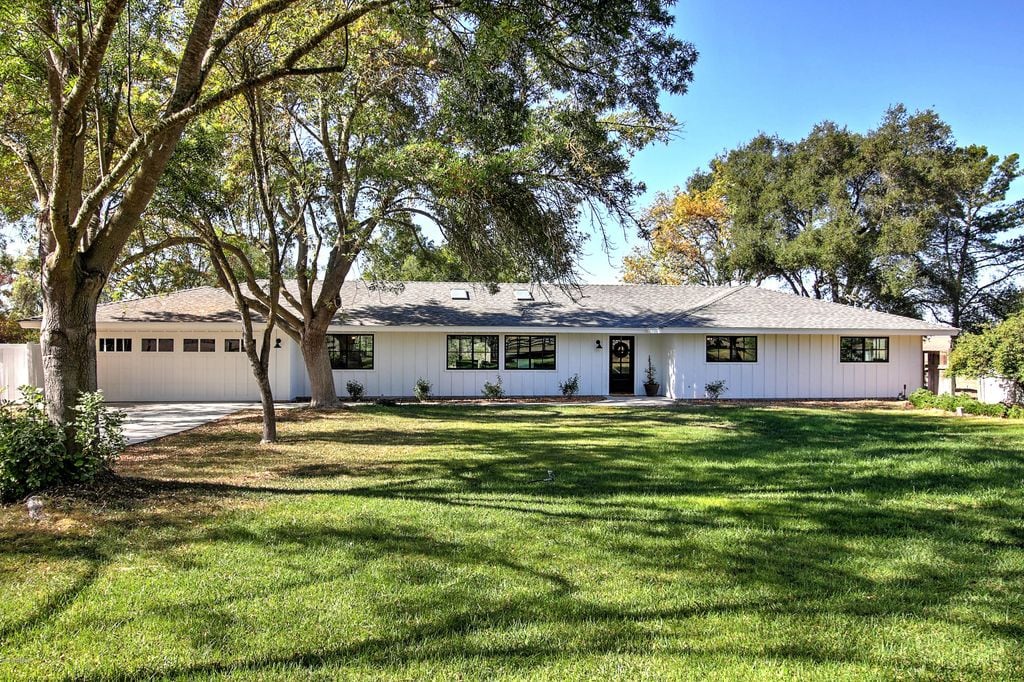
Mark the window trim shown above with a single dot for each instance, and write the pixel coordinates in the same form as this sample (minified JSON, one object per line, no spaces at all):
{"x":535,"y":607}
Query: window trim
{"x":157,"y":342}
{"x":497,"y":349}
{"x":125,"y":343}
{"x":200,"y":342}
{"x":505,"y":349}
{"x":733,"y":356}
{"x":373,"y":354}
{"x":864,"y":349}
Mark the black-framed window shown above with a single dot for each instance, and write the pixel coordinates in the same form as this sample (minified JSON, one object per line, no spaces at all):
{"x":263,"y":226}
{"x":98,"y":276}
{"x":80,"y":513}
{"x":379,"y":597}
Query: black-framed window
{"x":350,"y":351}
{"x":473,"y":351}
{"x":199,"y":345}
{"x":529,"y":352}
{"x":114,"y":345}
{"x":731,"y":348}
{"x":864,"y":349}
{"x":157,"y":345}
{"x":233,"y":345}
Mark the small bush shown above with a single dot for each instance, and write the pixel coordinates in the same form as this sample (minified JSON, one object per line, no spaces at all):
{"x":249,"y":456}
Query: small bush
{"x":972,"y":406}
{"x":715,"y":389}
{"x":421,"y":389}
{"x":570,"y":386}
{"x":1015,"y":412}
{"x":493,"y":391}
{"x":99,"y":435}
{"x":922,"y":398}
{"x":355,"y":389}
{"x":945,"y":401}
{"x":31,"y":448}
{"x":650,"y":375}
{"x":32,"y":452}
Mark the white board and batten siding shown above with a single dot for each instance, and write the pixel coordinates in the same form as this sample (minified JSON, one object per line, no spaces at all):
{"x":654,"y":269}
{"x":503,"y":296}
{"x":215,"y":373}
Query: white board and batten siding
{"x":21,"y":364}
{"x":180,"y":376}
{"x":795,"y":366}
{"x":788,"y":366}
{"x":402,"y":357}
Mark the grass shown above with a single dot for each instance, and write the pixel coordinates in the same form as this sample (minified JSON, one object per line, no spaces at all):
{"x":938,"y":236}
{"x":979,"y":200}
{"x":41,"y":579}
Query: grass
{"x":418,"y":542}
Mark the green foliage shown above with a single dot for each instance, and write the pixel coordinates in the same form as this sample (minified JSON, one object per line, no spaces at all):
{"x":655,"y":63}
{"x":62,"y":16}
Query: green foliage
{"x":974,"y":255}
{"x":900,"y":219}
{"x":922,"y":398}
{"x":400,"y":252}
{"x":650,"y":375}
{"x":972,"y":406}
{"x":570,"y":386}
{"x":493,"y":391}
{"x":98,"y":435}
{"x":11,"y":331}
{"x":714,"y":389}
{"x":33,"y":456}
{"x":20,"y":292}
{"x":355,"y":389}
{"x":998,"y":350}
{"x":1015,"y":412}
{"x":421,"y":389}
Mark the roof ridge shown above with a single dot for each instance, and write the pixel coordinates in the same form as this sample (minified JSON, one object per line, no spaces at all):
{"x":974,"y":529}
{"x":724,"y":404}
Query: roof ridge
{"x":715,"y":298}
{"x":724,"y":292}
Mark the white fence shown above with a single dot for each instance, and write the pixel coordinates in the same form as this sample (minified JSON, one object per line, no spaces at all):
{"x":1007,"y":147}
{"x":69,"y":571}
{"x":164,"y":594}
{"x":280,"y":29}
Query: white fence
{"x":20,"y":364}
{"x":995,"y":390}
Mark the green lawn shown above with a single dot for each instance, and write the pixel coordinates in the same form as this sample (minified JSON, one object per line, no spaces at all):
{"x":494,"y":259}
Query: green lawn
{"x":417,"y":542}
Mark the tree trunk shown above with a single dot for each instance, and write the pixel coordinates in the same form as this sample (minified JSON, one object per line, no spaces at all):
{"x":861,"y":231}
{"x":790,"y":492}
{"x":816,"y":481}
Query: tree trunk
{"x":261,"y":371}
{"x":269,"y":416}
{"x":68,"y":339}
{"x":323,"y":392}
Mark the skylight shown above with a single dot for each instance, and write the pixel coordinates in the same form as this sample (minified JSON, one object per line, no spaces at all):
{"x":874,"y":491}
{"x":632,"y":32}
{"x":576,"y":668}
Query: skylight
{"x":524,"y":295}
{"x":460,"y":294}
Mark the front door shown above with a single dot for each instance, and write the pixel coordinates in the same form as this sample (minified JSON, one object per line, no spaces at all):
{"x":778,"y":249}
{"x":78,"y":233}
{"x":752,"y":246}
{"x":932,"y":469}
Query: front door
{"x":931,"y":370}
{"x":620,"y":364}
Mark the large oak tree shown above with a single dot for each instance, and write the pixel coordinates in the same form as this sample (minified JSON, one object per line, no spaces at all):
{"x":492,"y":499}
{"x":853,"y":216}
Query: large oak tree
{"x":500,"y":125}
{"x":97,"y":97}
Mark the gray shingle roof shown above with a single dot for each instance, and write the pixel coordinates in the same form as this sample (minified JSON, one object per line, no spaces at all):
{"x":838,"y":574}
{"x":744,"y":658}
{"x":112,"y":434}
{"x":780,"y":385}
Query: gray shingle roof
{"x":630,"y":306}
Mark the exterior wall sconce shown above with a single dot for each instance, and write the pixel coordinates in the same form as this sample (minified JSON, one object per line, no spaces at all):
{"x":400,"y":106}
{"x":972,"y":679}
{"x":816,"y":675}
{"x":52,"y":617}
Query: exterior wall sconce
{"x":277,"y":344}
{"x":597,"y":344}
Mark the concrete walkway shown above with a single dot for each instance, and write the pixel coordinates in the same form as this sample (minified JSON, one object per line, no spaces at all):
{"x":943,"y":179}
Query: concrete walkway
{"x":146,"y":421}
{"x":636,"y":401}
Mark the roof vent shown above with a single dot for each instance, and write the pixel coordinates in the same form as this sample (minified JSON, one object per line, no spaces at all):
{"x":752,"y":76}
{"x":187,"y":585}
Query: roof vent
{"x":524,"y":295}
{"x":460,"y":294}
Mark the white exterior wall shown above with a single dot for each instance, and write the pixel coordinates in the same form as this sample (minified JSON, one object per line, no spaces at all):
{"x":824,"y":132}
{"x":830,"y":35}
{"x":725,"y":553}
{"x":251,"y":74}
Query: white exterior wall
{"x":218,"y":376}
{"x":796,"y":366}
{"x":20,"y":364}
{"x":788,"y":366}
{"x":402,"y":357}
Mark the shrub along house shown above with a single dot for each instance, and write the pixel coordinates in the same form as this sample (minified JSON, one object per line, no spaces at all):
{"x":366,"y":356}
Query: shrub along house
{"x":761,"y":343}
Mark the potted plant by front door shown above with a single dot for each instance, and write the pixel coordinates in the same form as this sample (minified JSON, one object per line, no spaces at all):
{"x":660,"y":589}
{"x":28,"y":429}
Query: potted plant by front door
{"x":651,"y":385}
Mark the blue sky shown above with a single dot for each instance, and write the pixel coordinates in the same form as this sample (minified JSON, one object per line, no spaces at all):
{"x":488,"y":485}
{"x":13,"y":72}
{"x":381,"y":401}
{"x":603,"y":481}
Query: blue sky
{"x":782,"y":66}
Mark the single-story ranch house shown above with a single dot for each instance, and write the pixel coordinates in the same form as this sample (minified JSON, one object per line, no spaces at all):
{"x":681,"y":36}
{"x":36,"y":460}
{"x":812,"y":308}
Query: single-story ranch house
{"x":457,"y":335}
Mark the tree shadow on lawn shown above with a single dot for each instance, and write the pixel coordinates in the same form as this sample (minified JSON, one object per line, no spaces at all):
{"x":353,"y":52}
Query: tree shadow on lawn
{"x":783,"y":511}
{"x":800,"y":579}
{"x":727,"y":452}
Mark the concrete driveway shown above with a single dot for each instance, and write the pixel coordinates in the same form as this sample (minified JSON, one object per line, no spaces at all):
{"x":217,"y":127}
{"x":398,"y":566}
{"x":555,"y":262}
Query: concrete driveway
{"x":146,"y":421}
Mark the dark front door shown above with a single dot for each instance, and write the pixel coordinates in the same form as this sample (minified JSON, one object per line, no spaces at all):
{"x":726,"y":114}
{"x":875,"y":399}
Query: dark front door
{"x":931,"y":370}
{"x":620,"y":364}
